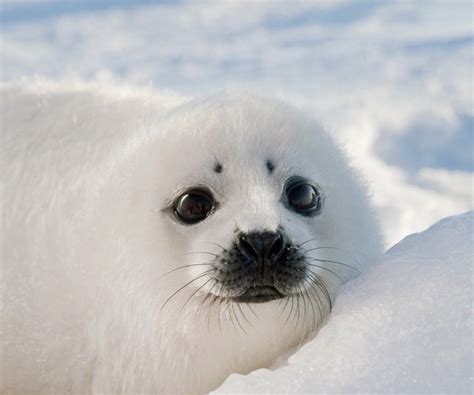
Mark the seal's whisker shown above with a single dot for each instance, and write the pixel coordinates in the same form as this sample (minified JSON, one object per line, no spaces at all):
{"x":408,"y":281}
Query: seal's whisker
{"x":286,"y":304}
{"x":221,"y":300}
{"x":304,"y":271}
{"x":291,"y":310}
{"x":297,"y":312}
{"x":195,"y":292}
{"x":335,"y":262}
{"x":321,"y":285}
{"x":326,"y":288}
{"x":201,"y":252}
{"x":321,"y":248}
{"x":328,"y":270}
{"x":185,"y":285}
{"x":307,"y":331}
{"x":228,"y":312}
{"x":237,"y":318}
{"x":185,"y":266}
{"x":214,"y":305}
{"x":314,"y":322}
{"x":243,"y":315}
{"x":252,"y":310}
{"x":307,"y":241}
{"x":317,"y":299}
{"x":214,"y":243}
{"x":209,"y":297}
{"x":304,"y":299}
{"x":208,"y":304}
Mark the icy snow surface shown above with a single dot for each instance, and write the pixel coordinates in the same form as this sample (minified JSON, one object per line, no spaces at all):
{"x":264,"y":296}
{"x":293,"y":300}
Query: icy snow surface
{"x":405,"y":326}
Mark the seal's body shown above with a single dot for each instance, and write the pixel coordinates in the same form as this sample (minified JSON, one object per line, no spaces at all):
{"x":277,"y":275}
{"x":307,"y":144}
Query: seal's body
{"x":149,"y":249}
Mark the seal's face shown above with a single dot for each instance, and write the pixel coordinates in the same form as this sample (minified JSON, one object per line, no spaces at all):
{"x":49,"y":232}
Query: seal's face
{"x":264,"y":205}
{"x":259,"y":265}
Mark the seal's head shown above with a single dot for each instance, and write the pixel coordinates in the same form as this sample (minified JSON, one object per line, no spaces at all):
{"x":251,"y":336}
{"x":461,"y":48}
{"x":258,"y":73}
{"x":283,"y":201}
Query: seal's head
{"x":243,"y":218}
{"x":262,"y":204}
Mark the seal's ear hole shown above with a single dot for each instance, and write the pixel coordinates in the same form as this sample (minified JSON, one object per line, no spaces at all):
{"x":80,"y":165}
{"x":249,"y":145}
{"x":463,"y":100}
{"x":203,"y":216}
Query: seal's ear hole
{"x":194,"y":205}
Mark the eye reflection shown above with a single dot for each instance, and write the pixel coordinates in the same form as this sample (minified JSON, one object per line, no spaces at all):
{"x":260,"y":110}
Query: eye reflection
{"x":194,"y":205}
{"x":303,"y":197}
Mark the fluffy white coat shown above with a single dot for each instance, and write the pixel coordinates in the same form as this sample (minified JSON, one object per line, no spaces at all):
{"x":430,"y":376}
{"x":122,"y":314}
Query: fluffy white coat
{"x":86,"y":243}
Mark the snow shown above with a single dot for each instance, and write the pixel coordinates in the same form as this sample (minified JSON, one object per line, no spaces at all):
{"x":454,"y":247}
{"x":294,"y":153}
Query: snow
{"x":392,"y":80}
{"x":404,"y":327}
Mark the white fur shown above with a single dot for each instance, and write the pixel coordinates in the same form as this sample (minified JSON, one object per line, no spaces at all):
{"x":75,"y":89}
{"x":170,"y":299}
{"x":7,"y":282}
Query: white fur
{"x":87,"y":172}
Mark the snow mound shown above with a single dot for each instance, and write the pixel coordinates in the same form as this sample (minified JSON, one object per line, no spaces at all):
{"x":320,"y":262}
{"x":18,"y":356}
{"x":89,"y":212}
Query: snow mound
{"x":405,"y":326}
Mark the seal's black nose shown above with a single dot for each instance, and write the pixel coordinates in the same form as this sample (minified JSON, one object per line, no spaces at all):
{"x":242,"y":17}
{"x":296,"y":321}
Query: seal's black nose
{"x":263,"y":247}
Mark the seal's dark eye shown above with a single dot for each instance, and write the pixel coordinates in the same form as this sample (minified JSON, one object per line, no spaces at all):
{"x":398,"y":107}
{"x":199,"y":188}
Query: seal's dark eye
{"x":194,"y":205}
{"x":303,"y":198}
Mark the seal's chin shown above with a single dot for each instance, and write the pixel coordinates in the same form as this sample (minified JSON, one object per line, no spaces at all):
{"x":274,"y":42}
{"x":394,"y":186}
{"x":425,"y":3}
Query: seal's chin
{"x":258,"y":294}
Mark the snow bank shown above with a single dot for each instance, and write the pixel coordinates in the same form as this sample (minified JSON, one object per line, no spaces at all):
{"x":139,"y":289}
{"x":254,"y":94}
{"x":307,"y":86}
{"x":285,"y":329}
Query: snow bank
{"x":406,"y":326}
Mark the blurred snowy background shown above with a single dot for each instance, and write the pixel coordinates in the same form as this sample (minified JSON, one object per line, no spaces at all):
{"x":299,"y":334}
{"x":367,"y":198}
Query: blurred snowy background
{"x":392,"y":79}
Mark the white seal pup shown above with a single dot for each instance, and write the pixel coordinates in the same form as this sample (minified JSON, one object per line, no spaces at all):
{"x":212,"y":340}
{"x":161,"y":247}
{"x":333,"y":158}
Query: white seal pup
{"x":149,"y":250}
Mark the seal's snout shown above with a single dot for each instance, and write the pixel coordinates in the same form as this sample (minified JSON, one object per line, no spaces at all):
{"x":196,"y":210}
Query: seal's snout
{"x":261,"y":266}
{"x":262,"y":247}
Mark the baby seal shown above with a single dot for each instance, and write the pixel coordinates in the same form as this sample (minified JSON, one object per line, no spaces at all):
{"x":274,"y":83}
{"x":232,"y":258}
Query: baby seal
{"x":152,"y":248}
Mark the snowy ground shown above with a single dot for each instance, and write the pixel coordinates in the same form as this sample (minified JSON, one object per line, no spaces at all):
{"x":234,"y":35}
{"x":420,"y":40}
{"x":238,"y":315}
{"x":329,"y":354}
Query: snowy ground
{"x":393,"y":79}
{"x":404,"y":327}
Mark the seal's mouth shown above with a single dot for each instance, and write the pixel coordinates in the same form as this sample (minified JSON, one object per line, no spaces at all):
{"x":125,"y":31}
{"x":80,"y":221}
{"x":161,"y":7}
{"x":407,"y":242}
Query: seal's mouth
{"x":259,"y":294}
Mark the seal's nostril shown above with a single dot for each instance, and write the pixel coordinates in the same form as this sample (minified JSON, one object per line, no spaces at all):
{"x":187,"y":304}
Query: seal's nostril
{"x":248,"y":248}
{"x":277,"y":246}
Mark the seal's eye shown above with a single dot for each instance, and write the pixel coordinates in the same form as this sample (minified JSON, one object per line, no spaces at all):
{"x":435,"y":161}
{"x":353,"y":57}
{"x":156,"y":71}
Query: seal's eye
{"x":194,"y":205}
{"x":303,"y":198}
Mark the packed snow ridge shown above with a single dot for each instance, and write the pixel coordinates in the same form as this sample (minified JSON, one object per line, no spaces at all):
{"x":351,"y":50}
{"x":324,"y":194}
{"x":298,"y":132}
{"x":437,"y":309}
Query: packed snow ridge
{"x":404,"y":327}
